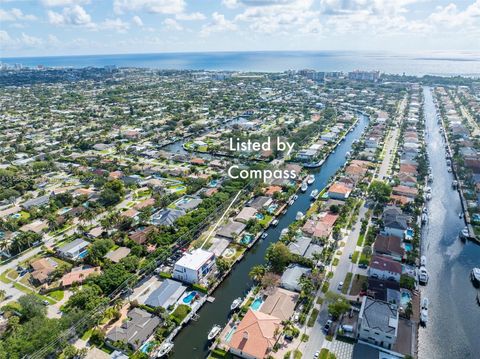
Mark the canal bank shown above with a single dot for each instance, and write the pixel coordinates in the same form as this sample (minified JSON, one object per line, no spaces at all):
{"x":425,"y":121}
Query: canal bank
{"x":191,"y":342}
{"x":452,"y":329}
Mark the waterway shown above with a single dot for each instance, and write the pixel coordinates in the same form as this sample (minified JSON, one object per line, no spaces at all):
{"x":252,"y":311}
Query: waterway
{"x":191,"y":342}
{"x":454,"y":316}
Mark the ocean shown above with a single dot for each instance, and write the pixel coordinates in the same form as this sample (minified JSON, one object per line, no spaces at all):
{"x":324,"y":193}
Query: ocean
{"x":444,"y":64}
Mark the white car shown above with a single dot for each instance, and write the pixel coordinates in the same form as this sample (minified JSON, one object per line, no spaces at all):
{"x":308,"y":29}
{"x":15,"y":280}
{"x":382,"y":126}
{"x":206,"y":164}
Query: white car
{"x":340,"y":286}
{"x":316,"y":355}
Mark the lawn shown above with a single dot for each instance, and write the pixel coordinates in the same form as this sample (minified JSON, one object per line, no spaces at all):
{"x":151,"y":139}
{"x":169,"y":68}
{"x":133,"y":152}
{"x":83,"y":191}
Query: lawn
{"x":4,"y":278}
{"x":313,"y":317}
{"x":265,"y":221}
{"x":346,"y":282}
{"x":361,"y":237}
{"x":335,"y":261}
{"x":180,"y":313}
{"x":57,"y":295}
{"x":357,"y":284}
{"x":355,"y":256}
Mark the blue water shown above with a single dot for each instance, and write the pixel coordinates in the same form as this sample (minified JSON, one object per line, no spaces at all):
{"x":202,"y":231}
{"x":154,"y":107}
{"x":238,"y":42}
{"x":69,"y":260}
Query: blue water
{"x":83,"y":254}
{"x":458,"y":63}
{"x":145,"y":348}
{"x":257,"y":303}
{"x":189,"y":297}
{"x":408,"y":247}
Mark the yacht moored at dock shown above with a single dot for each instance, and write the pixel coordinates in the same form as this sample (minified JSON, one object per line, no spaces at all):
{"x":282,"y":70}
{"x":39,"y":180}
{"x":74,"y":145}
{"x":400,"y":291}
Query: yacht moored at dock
{"x":310,"y":179}
{"x":236,"y":303}
{"x":214,"y":332}
{"x":475,"y":276}
{"x":164,"y":349}
{"x":314,"y":194}
{"x":304,"y":187}
{"x":423,"y":276}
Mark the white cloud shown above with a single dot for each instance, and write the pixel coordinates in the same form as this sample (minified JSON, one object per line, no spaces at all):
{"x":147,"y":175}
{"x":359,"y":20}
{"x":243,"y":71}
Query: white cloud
{"x":54,"y":3}
{"x":137,"y":20}
{"x":191,"y":16}
{"x":21,"y":42}
{"x":114,"y":24}
{"x":5,"y":38}
{"x":152,"y":6}
{"x":75,"y":15}
{"x":15,"y":15}
{"x":451,"y":17}
{"x":217,"y":24}
{"x":30,"y":41}
{"x":231,"y":4}
{"x":171,"y":24}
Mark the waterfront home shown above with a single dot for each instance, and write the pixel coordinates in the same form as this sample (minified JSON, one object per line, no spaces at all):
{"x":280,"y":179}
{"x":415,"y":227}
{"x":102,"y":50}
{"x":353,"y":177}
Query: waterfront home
{"x":166,"y":295}
{"x":280,"y":304}
{"x":260,"y":202}
{"x":187,"y":203}
{"x":246,"y":214}
{"x":339,"y":190}
{"x":139,"y":326}
{"x":406,"y":191}
{"x":407,"y":180}
{"x":290,"y":279}
{"x":299,"y":245}
{"x":42,"y":269}
{"x":395,"y":223}
{"x":321,"y":226}
{"x":74,"y":250}
{"x":118,"y":254}
{"x":78,"y":275}
{"x":384,"y":268}
{"x":255,"y":335}
{"x":231,"y":230}
{"x":378,"y":322}
{"x":271,"y":190}
{"x":194,"y":266}
{"x":389,"y":246}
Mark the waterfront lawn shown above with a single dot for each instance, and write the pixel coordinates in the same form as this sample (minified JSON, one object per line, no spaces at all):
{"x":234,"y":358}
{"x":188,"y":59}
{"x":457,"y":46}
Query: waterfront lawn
{"x":220,"y":354}
{"x":346,"y":282}
{"x":265,"y":221}
{"x":180,"y":313}
{"x":358,"y":284}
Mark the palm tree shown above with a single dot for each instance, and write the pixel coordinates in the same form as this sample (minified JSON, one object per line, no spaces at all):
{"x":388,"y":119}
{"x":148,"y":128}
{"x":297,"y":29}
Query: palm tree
{"x":257,"y":272}
{"x":3,"y":294}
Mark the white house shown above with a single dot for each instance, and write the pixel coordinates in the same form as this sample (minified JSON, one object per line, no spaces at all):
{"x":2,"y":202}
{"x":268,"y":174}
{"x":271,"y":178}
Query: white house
{"x":378,"y":322}
{"x":385,"y":268}
{"x":194,"y":266}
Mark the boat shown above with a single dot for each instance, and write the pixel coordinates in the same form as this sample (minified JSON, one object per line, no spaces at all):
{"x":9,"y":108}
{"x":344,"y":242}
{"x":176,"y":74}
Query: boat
{"x":475,"y":275}
{"x":423,"y":261}
{"x":214,"y":332}
{"x":424,"y":316}
{"x":428,"y":197}
{"x":454,"y":184}
{"x":295,"y":197}
{"x":310,"y":179}
{"x":299,"y":216}
{"x":304,"y":187}
{"x":460,"y":215}
{"x":425,"y":303}
{"x":275,"y":222}
{"x":464,"y":233}
{"x":314,"y":194}
{"x":236,"y":303}
{"x":423,"y":275}
{"x":424,"y":218}
{"x":428,"y":189}
{"x":284,"y":232}
{"x":264,"y":235}
{"x":449,"y":169}
{"x":430,"y":178}
{"x":164,"y":349}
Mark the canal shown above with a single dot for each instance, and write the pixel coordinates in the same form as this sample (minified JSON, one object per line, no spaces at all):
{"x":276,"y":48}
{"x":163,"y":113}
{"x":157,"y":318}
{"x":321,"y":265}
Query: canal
{"x":454,"y":316}
{"x":191,"y":342}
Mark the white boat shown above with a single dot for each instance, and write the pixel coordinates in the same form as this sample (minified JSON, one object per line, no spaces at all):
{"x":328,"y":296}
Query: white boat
{"x":430,"y":178}
{"x":275,"y":222}
{"x":425,"y":303}
{"x":424,"y":316}
{"x":264,"y":235}
{"x":304,"y":187}
{"x":428,"y":189}
{"x":428,"y":197}
{"x":449,"y":169}
{"x":454,"y":184}
{"x":284,"y":232}
{"x":423,"y":275}
{"x":424,"y":218}
{"x":347,"y":155}
{"x":236,"y":303}
{"x":475,"y":275}
{"x":465,"y":233}
{"x":164,"y":349}
{"x":299,"y":216}
{"x":295,"y":197}
{"x":314,"y":194}
{"x":214,"y":332}
{"x":460,"y":214}
{"x":423,"y":261}
{"x":310,"y":179}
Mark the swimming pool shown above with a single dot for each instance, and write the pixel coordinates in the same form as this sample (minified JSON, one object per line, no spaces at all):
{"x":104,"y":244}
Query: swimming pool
{"x":405,"y":298}
{"x":247,"y":239}
{"x":229,"y":335}
{"x":63,"y":210}
{"x":145,"y":348}
{"x":188,"y":299}
{"x":213,"y":183}
{"x":409,"y":232}
{"x":260,"y":216}
{"x":83,"y":254}
{"x":408,"y":247}
{"x":476,"y":217}
{"x":272,"y":208}
{"x":257,"y":303}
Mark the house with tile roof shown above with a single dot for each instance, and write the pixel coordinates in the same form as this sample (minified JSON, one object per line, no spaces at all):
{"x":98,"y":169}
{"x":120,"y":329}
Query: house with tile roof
{"x":255,"y":335}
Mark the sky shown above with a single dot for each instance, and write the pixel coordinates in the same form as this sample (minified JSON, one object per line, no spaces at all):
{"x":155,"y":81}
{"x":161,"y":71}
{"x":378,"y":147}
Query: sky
{"x":81,"y":27}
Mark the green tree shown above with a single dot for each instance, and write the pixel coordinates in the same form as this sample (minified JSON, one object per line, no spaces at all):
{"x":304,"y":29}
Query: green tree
{"x":380,"y":191}
{"x":222,"y":264}
{"x":257,"y":272}
{"x":32,"y":306}
{"x":278,"y":256}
